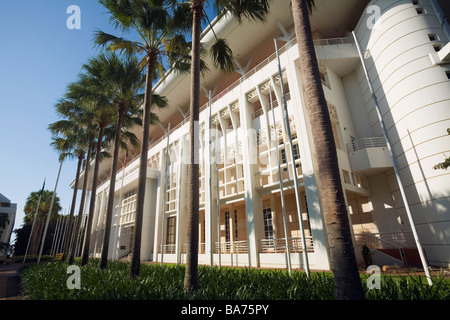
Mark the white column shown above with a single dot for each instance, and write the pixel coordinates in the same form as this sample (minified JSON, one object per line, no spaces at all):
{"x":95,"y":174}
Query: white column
{"x":253,"y":204}
{"x":101,"y":217}
{"x":148,"y":219}
{"x":210,"y":194}
{"x":180,"y":194}
{"x":158,"y":237}
{"x":309,"y":176}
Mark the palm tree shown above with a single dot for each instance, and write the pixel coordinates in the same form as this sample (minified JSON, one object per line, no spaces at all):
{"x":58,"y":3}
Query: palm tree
{"x":255,"y":10}
{"x":77,"y":135}
{"x":151,"y":20}
{"x":63,"y":146}
{"x":91,"y":88}
{"x":73,"y":108}
{"x":342,"y":257}
{"x":123,"y":81}
{"x":82,"y":200}
{"x":31,"y":214}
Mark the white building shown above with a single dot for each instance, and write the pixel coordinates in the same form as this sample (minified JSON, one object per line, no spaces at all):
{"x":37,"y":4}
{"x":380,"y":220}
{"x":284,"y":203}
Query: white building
{"x":407,"y":53}
{"x":8,"y":213}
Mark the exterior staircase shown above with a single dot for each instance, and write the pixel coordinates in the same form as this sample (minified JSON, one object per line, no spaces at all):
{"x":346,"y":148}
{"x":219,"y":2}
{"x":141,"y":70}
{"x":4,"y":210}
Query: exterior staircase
{"x":390,"y":249}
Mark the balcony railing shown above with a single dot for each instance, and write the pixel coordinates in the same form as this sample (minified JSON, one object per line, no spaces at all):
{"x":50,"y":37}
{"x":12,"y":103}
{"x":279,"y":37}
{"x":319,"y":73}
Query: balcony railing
{"x":169,"y":248}
{"x":232,"y":247}
{"x":279,"y":245}
{"x":333,"y":41}
{"x":365,"y":143}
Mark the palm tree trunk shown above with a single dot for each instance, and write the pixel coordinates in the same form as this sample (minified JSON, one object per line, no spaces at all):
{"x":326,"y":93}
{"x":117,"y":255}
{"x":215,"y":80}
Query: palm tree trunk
{"x":191,"y":275}
{"x":112,"y":186}
{"x":342,"y":256}
{"x":72,"y":208}
{"x":80,"y":211}
{"x":87,"y":236}
{"x":35,"y":237}
{"x":136,"y":256}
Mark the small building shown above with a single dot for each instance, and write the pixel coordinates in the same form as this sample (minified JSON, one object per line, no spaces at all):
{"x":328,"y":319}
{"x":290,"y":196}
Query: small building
{"x":7,"y":217}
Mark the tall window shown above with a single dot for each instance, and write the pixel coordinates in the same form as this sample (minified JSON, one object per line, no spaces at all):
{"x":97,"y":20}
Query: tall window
{"x":236,"y":236}
{"x":296,"y":155}
{"x":171,"y":230}
{"x":268,"y":223}
{"x":227,"y":226}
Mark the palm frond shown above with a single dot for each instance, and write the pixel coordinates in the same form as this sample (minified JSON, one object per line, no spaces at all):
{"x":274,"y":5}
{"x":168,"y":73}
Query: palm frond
{"x":222,"y":55}
{"x":121,"y":13}
{"x":158,"y":101}
{"x":255,"y":10}
{"x":113,"y":43}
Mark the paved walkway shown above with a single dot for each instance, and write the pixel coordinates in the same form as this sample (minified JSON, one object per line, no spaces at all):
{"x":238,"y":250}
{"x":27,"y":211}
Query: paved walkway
{"x":10,"y":282}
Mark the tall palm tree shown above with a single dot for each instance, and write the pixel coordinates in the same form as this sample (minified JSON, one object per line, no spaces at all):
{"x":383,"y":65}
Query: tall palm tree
{"x":63,"y":146}
{"x":123,"y":80}
{"x":75,"y":109}
{"x":77,"y":135}
{"x":342,"y":257}
{"x":255,"y":10}
{"x":91,"y":88}
{"x":82,"y":200}
{"x":153,"y":23}
{"x":31,"y":214}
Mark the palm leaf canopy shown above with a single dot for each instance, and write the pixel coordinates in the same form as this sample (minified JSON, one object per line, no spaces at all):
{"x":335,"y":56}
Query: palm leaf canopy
{"x":256,"y":10}
{"x":159,"y":25}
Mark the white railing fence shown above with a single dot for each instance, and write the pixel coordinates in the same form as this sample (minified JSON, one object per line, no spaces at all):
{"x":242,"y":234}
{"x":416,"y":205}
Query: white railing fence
{"x":279,"y":245}
{"x":365,"y":143}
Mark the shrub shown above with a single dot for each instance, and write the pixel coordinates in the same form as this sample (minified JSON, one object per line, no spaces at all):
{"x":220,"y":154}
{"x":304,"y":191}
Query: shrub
{"x":47,"y":281}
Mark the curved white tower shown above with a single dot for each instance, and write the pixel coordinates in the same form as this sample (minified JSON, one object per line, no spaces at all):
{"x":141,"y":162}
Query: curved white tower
{"x":407,"y":54}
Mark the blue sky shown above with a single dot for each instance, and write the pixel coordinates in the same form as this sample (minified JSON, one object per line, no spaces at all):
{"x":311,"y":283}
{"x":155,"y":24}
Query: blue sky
{"x":39,"y":57}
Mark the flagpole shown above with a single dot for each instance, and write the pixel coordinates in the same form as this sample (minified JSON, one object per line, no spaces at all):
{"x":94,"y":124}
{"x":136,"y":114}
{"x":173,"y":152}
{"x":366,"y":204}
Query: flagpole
{"x":218,"y":199}
{"x":34,"y":221}
{"x":55,"y":237}
{"x":118,"y":224}
{"x":283,"y":206}
{"x":49,"y":213}
{"x":166,"y":178}
{"x":394,"y":163}
{"x":297,"y":192}
{"x":211,"y":262}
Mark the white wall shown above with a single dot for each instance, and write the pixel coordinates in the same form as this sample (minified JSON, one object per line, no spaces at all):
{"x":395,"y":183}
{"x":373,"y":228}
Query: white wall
{"x":414,"y":95}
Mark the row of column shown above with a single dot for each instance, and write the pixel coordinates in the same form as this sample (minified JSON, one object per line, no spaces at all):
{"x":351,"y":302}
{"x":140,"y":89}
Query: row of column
{"x":251,"y":196}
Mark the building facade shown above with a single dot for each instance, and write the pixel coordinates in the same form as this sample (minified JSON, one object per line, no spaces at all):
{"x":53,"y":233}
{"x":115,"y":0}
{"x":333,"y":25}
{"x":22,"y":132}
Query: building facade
{"x":7,"y":216}
{"x":249,"y":212}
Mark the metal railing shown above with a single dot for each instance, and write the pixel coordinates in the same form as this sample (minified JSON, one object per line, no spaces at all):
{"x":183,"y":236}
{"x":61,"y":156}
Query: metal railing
{"x":334,"y":41}
{"x":372,"y":240}
{"x":231,"y":247}
{"x":279,"y":245}
{"x":365,"y":143}
{"x":171,"y":248}
{"x":258,"y":113}
{"x":386,"y":239}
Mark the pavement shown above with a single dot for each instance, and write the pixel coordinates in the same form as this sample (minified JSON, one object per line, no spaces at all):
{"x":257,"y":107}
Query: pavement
{"x":10,"y":282}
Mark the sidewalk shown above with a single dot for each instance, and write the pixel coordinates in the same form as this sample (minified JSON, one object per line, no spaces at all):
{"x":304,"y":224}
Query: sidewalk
{"x":10,"y":282}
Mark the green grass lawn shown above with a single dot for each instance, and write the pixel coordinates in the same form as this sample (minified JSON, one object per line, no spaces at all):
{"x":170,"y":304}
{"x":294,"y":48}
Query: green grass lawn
{"x":48,"y":281}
